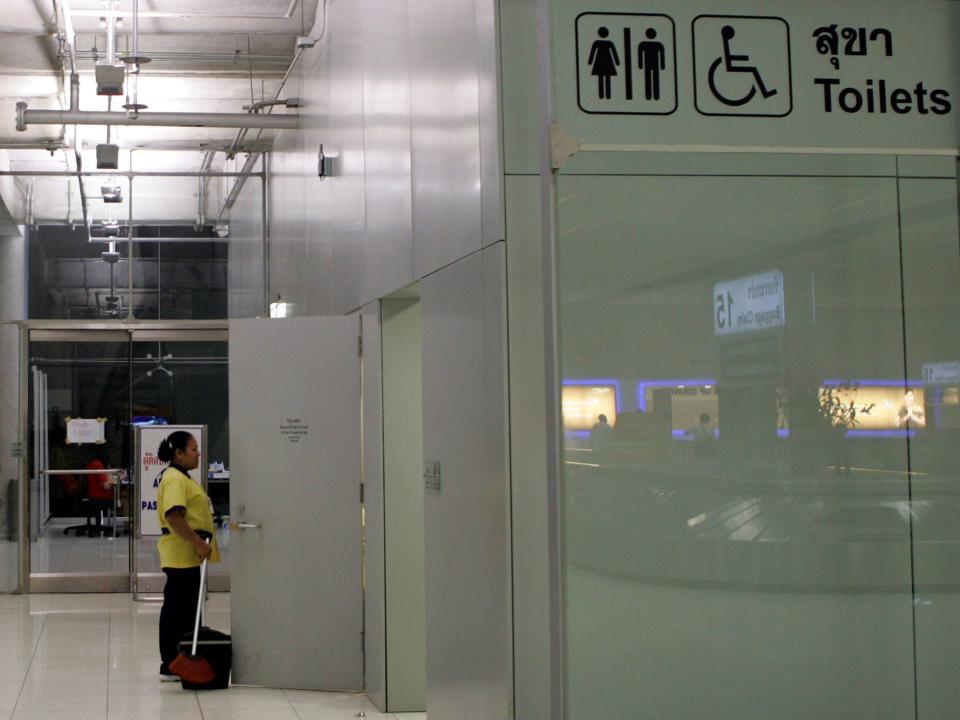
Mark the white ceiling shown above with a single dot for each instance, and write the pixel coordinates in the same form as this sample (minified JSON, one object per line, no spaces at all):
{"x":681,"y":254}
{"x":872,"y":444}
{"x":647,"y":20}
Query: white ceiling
{"x":207,"y":55}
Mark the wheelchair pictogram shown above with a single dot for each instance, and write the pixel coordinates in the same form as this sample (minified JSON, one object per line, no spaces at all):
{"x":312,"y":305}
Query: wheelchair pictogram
{"x":730,"y":62}
{"x":742,"y":66}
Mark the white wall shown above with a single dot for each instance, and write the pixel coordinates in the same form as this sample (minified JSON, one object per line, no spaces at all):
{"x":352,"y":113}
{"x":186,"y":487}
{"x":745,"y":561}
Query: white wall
{"x":403,"y":97}
{"x":403,"y":506}
{"x":13,"y":306}
{"x":245,"y":260}
{"x":466,"y":518}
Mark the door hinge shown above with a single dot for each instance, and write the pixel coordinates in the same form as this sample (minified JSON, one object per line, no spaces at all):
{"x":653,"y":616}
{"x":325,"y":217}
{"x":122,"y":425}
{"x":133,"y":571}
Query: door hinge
{"x":361,"y":494}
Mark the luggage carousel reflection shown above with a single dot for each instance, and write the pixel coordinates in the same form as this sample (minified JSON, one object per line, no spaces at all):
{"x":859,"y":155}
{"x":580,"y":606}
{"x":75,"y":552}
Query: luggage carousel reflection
{"x":856,"y":531}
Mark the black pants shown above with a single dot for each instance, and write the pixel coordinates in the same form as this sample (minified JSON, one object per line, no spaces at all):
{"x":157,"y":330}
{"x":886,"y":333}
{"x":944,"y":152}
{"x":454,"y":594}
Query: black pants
{"x":179,"y":609}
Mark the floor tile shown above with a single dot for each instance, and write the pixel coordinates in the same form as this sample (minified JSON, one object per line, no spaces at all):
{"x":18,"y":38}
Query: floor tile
{"x":250,"y":714}
{"x":58,"y":715}
{"x":337,"y":713}
{"x":127,"y":714}
{"x":242,"y":698}
{"x":64,"y":688}
{"x":181,"y":701}
{"x":94,"y":657}
{"x":63,"y":703}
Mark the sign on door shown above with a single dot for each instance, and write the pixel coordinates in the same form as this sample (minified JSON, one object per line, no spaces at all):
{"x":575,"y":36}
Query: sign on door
{"x":627,"y":63}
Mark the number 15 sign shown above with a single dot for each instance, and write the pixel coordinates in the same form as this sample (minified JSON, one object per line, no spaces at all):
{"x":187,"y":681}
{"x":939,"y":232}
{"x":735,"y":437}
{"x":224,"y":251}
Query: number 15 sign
{"x":748,"y":303}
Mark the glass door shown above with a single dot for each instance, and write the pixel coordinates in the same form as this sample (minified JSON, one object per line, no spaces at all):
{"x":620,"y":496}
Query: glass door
{"x":182,"y":380}
{"x":80,"y":452}
{"x":88,"y":389}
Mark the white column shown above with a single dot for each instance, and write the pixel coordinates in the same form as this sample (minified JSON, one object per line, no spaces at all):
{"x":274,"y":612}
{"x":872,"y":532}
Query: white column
{"x":13,"y":306}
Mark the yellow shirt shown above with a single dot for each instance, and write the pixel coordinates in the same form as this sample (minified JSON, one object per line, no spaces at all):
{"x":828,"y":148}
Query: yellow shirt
{"x":178,"y":489}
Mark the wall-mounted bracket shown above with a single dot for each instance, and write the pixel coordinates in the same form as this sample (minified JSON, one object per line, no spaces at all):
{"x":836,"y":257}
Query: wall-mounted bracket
{"x":563,"y":146}
{"x":325,"y":167}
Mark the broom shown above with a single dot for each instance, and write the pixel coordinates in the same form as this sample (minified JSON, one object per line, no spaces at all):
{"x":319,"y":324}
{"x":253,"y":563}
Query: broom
{"x":194,"y":668}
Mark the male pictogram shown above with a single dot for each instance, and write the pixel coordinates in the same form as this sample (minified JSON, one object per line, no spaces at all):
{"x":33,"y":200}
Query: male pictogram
{"x":603,"y":62}
{"x":652,"y":59}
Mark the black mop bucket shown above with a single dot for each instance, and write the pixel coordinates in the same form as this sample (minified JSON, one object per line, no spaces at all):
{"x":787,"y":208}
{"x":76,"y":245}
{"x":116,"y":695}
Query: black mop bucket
{"x":217,"y":649}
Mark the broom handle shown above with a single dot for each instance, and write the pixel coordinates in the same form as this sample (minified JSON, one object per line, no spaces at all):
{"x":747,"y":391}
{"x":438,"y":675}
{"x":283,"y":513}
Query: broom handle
{"x":196,"y":623}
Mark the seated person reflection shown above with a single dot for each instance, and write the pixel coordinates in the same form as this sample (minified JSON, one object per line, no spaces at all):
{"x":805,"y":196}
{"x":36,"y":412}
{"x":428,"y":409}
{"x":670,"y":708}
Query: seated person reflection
{"x":704,"y":440}
{"x":600,"y":435}
{"x":99,"y":501}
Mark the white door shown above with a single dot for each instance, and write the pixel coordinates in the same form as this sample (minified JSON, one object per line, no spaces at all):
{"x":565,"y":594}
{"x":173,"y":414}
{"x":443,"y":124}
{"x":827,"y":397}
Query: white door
{"x":297,"y":599}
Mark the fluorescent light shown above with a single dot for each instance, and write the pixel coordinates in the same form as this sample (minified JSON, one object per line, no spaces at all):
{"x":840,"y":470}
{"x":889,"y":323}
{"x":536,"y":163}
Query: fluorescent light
{"x":279,"y":309}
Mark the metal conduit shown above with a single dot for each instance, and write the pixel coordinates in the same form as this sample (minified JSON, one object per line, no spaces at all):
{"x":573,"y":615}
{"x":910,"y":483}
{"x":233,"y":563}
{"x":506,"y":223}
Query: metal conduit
{"x":126,"y":173}
{"x":27,"y":117}
{"x":188,"y":14}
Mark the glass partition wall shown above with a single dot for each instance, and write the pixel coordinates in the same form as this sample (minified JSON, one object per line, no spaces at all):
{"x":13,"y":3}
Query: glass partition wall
{"x":89,"y":389}
{"x":184,"y":382}
{"x":761,"y":408}
{"x":76,"y":518}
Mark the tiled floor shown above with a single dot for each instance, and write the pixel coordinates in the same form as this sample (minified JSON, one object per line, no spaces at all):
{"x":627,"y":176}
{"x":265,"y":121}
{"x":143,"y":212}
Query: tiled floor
{"x":94,"y":657}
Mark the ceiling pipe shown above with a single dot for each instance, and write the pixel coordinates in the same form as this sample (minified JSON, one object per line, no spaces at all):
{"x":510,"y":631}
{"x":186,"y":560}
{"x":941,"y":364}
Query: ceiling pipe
{"x":245,"y":172}
{"x":205,"y":165}
{"x":27,"y":117}
{"x":134,"y":61}
{"x":67,"y":37}
{"x":219,"y":16}
{"x":174,"y":56}
{"x":124,"y":173}
{"x":253,"y":156}
{"x":242,"y":134}
{"x":112,"y":36}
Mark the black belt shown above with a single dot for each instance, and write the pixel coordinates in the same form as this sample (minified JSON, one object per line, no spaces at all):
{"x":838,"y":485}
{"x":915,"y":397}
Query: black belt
{"x":204,"y":535}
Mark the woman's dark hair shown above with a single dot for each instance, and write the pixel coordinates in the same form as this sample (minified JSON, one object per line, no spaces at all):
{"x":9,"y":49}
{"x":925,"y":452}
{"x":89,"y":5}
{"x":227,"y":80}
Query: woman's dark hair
{"x":177,"y":441}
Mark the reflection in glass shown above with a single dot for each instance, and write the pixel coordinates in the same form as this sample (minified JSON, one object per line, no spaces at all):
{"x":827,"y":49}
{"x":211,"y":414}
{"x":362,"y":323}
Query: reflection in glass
{"x":186,"y":383}
{"x":773,"y":513}
{"x":79,"y":519}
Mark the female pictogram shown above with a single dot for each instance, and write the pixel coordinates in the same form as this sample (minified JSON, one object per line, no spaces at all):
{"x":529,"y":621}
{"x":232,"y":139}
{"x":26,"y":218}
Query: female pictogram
{"x":603,"y":62}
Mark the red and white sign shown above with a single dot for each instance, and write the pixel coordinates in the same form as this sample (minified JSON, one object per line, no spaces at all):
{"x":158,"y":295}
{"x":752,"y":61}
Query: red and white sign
{"x":150,"y":467}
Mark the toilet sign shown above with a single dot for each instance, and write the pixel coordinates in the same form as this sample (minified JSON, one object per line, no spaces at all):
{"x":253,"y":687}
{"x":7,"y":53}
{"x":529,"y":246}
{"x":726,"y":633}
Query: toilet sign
{"x":762,"y":73}
{"x":627,"y":63}
{"x":150,"y":467}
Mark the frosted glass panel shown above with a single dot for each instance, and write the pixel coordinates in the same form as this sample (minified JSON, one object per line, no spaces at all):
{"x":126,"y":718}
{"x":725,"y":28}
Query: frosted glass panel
{"x":769,"y":492}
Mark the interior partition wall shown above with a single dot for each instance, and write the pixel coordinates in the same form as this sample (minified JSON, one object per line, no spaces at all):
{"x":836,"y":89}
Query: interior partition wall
{"x":758,"y":379}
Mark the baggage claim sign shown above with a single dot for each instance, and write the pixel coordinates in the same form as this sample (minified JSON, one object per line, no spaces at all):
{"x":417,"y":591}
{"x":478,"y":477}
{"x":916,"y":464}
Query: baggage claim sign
{"x":777,"y":74}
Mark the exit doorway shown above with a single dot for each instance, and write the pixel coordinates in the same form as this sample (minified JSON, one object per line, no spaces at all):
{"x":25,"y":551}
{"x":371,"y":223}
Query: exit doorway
{"x":84,"y":390}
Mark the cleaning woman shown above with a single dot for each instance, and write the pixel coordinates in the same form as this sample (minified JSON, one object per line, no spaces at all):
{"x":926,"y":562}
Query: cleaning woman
{"x":186,"y":521}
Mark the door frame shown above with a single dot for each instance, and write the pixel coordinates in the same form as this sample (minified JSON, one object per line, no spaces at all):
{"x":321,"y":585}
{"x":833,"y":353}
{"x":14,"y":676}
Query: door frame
{"x":84,"y":331}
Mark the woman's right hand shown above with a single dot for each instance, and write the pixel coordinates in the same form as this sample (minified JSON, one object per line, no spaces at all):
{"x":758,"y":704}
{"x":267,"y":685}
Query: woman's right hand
{"x":204,"y":549}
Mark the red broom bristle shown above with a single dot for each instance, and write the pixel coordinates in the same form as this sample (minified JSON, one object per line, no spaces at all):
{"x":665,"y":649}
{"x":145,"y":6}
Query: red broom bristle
{"x":196,"y":670}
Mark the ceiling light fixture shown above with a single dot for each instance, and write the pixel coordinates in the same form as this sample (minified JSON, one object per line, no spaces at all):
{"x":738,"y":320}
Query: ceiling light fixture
{"x":111,"y":193}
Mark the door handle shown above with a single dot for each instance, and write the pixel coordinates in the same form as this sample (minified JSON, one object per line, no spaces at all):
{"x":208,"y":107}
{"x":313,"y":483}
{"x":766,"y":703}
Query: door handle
{"x":243,"y":525}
